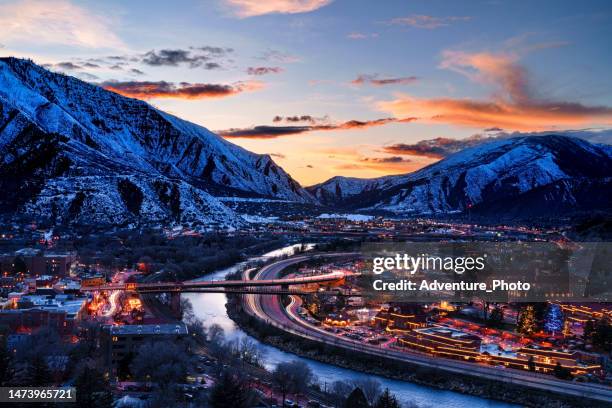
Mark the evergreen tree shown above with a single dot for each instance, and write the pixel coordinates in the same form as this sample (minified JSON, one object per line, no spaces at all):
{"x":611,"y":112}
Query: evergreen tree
{"x":19,"y":265}
{"x":496,"y":318}
{"x":587,"y":332}
{"x":602,"y":335}
{"x":92,"y":389}
{"x":539,"y":310}
{"x":6,"y":362}
{"x":37,"y":372}
{"x":531,"y":364}
{"x":230,"y":392}
{"x":356,"y":399}
{"x":123,"y":366}
{"x":554,"y":319}
{"x":562,"y":372}
{"x":387,"y":400}
{"x":526,"y":322}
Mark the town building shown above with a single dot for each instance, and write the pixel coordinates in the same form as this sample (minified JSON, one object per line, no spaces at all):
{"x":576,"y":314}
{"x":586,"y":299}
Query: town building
{"x":50,"y":310}
{"x":400,"y":318}
{"x":117,"y":342}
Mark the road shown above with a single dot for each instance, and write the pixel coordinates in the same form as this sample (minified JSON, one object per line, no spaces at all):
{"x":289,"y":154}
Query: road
{"x":270,"y":310}
{"x":113,"y":300}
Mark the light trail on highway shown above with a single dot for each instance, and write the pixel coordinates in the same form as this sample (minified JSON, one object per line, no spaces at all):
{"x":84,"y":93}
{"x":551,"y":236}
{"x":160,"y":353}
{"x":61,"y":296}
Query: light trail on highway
{"x":270,"y":310}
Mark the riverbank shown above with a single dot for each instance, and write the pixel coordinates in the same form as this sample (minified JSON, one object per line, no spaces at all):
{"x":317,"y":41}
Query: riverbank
{"x":437,"y":379}
{"x":211,"y":309}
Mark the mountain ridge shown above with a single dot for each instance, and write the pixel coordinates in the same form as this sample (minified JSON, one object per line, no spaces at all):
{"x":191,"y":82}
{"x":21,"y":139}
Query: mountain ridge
{"x":73,"y":152}
{"x":81,"y":130}
{"x":479,"y":177}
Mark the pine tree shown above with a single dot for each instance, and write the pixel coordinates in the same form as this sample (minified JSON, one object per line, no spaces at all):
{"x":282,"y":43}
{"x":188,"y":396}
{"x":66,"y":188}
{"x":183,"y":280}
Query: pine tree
{"x":526,"y":322}
{"x":602,"y":335}
{"x":589,"y":329}
{"x":496,"y":318}
{"x":37,"y":372}
{"x":356,"y":399}
{"x":230,"y":392}
{"x":554,"y":319}
{"x":387,"y":400}
{"x":92,"y":389}
{"x":531,"y":363}
{"x":6,"y":362}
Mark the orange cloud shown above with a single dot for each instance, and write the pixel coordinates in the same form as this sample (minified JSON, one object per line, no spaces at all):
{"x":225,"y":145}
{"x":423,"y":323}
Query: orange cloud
{"x":250,"y":8}
{"x":184,"y":90}
{"x":511,"y":106}
{"x":382,"y":165}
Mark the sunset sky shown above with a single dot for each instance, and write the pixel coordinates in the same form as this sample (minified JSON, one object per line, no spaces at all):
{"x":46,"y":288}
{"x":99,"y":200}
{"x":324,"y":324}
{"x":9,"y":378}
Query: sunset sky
{"x":337,"y":87}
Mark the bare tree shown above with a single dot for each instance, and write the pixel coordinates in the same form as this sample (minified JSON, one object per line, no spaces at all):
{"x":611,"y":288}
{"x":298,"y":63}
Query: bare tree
{"x":370,"y":387}
{"x":161,"y":362}
{"x":339,"y":391}
{"x":292,"y":377}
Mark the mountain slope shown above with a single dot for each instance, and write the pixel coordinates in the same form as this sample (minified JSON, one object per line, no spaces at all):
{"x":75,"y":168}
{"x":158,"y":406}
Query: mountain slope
{"x":55,"y":130}
{"x":339,"y":189}
{"x":519,"y":176}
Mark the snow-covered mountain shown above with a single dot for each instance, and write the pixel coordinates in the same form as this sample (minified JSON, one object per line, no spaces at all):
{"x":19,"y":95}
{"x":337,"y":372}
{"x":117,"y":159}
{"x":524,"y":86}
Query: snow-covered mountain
{"x":76,"y":151}
{"x":520,"y":176}
{"x":339,"y":189}
{"x":73,"y":151}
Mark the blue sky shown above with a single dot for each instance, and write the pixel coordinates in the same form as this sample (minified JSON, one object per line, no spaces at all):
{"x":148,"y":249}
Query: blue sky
{"x":355,"y":84}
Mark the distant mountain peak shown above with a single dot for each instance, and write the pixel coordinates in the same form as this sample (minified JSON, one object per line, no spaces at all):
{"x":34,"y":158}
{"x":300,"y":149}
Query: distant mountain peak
{"x":548,"y":172}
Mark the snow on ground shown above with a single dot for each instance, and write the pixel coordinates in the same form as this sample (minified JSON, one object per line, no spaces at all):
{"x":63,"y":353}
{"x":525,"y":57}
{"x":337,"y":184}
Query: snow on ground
{"x":350,"y":217}
{"x":257,"y":219}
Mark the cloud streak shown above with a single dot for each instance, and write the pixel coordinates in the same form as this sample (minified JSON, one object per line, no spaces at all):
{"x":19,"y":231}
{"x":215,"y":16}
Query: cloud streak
{"x":437,"y":148}
{"x":251,"y":8}
{"x":387,"y":164}
{"x":67,"y":65}
{"x":364,"y":79}
{"x":427,"y":22}
{"x":513,"y":104}
{"x":388,"y":159}
{"x":194,"y":57}
{"x":301,"y":118}
{"x":161,"y":89}
{"x":361,"y":36}
{"x":271,"y":132}
{"x":258,"y":71}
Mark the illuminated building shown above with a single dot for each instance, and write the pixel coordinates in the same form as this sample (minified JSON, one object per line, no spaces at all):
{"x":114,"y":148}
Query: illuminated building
{"x":450,"y":343}
{"x":400,"y":318}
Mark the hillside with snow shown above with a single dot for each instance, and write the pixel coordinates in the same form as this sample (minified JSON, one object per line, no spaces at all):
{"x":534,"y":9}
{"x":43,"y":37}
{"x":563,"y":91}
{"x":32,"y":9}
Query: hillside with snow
{"x":74,"y":151}
{"x":515,"y":177}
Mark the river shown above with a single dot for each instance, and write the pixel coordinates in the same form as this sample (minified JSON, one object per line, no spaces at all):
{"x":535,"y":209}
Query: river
{"x":210,"y":308}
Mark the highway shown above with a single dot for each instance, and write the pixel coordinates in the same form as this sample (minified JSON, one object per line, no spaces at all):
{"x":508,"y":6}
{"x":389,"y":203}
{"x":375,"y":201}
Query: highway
{"x":270,"y":310}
